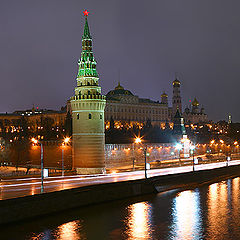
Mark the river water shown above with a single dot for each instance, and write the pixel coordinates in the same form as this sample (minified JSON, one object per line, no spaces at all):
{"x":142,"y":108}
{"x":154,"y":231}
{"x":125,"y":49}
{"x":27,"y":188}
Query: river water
{"x":207,"y":212}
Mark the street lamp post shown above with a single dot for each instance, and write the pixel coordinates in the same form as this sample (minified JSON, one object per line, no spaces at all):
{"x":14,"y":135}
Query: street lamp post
{"x":63,"y":161}
{"x":179,"y":147}
{"x":42,"y":188}
{"x":133,"y":157}
{"x":235,"y":147}
{"x":35,"y":141}
{"x":192,"y":147}
{"x":66,"y":141}
{"x":145,"y":161}
{"x":139,"y":140}
{"x":193,"y":161}
{"x":179,"y":154}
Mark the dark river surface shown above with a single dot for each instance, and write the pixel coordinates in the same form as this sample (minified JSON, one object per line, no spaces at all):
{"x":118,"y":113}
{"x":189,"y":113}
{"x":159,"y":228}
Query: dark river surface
{"x":207,"y":212}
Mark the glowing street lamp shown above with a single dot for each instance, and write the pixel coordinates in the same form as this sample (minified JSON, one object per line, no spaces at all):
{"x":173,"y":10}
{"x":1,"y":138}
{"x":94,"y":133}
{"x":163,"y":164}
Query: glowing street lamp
{"x":65,"y":141}
{"x":236,"y":146}
{"x":179,"y":148}
{"x":139,"y":140}
{"x":35,"y":141}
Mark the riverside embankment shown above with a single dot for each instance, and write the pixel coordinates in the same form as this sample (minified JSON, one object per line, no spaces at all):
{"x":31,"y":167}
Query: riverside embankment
{"x":17,"y":209}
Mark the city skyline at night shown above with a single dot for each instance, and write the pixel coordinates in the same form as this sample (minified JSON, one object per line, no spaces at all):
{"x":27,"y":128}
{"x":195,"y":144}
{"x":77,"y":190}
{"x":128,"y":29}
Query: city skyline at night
{"x":39,"y":56}
{"x":119,"y":120}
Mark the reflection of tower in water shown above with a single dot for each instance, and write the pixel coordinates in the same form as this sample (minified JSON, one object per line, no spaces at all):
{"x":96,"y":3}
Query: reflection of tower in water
{"x":88,"y":112}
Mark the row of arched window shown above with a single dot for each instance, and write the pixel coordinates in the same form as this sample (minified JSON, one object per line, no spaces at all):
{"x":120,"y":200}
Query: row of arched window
{"x":160,"y":111}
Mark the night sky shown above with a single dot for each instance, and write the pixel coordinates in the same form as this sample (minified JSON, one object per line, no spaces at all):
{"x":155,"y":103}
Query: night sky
{"x":146,"y":41}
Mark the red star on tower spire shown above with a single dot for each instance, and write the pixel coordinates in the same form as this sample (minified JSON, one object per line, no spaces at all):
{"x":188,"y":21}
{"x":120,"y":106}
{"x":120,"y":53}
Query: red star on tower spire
{"x":85,"y":13}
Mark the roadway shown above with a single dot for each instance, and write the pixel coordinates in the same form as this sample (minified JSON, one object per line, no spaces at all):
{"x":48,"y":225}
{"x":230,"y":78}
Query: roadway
{"x":14,"y":188}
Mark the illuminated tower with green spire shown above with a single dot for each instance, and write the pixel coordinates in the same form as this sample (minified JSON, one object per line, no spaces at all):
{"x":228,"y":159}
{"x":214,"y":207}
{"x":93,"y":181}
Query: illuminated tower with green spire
{"x":88,"y":112}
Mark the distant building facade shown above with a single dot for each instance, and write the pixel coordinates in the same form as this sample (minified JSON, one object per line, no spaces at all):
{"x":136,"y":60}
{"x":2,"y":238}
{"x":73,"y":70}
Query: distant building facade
{"x":194,"y":114}
{"x":123,"y":105}
{"x":34,"y":117}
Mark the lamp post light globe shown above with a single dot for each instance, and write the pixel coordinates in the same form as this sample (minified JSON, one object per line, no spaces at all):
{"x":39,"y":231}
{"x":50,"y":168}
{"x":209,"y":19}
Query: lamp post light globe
{"x":66,"y":140}
{"x":178,"y":146}
{"x":35,"y":141}
{"x":192,"y":147}
{"x":138,"y":140}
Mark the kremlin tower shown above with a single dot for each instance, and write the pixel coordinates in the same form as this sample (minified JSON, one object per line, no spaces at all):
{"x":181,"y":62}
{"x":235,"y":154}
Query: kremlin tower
{"x":164,"y":98}
{"x":176,"y":99}
{"x":88,"y":113}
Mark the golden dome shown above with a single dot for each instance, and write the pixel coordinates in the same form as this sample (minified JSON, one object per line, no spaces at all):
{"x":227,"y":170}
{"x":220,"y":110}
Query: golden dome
{"x":176,"y":82}
{"x":164,"y":95}
{"x":118,"y":87}
{"x":195,"y":103}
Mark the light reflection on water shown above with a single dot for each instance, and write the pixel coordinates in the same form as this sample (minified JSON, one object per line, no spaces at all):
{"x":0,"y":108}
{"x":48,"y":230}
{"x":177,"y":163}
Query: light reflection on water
{"x":209,"y":212}
{"x":217,"y":216}
{"x":186,"y":213}
{"x":138,"y":221}
{"x":223,"y":217}
{"x":68,"y":231}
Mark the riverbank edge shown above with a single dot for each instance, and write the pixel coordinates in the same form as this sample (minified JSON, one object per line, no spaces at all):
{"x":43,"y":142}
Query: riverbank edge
{"x":17,"y":209}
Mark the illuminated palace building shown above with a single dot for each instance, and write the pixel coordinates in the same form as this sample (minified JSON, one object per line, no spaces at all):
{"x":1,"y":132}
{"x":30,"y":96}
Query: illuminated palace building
{"x":123,"y":105}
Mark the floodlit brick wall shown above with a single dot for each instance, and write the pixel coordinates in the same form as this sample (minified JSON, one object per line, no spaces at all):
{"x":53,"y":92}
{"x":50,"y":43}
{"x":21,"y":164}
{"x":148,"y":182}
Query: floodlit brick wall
{"x":118,"y":155}
{"x":52,"y":155}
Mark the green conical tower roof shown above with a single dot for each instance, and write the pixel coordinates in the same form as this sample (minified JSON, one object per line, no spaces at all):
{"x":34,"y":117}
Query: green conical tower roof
{"x":177,"y":114}
{"x":178,"y":128}
{"x":86,"y":33}
{"x":87,"y":63}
